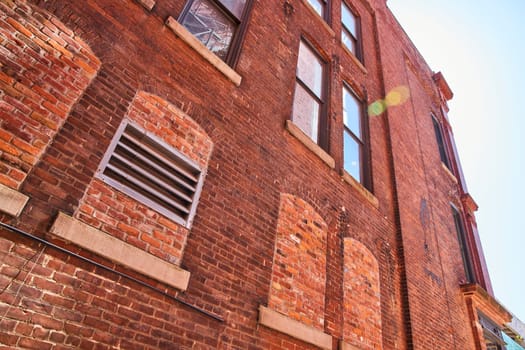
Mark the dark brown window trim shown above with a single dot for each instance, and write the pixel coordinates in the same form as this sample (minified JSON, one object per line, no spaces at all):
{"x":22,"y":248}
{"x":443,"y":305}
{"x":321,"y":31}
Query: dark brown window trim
{"x":359,"y":42}
{"x":441,"y":140}
{"x":459,"y":223}
{"x":365,"y":154}
{"x":238,"y":37}
{"x":323,"y":122}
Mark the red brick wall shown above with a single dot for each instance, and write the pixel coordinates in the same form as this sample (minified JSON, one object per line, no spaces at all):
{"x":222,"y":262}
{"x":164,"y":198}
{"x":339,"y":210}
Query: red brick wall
{"x":299,"y":264}
{"x":361,"y":295}
{"x":111,"y":211}
{"x":45,"y":68}
{"x":54,"y":300}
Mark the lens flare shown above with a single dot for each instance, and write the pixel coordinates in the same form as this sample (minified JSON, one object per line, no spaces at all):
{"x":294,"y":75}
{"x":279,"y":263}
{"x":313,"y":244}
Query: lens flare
{"x":397,"y":96}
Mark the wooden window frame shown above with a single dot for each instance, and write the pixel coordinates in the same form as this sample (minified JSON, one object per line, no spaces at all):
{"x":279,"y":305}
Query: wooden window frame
{"x":357,"y":40}
{"x":176,"y":167}
{"x":241,"y":23}
{"x":364,"y":141}
{"x":322,"y":127}
{"x":459,"y":223}
{"x":444,"y":153}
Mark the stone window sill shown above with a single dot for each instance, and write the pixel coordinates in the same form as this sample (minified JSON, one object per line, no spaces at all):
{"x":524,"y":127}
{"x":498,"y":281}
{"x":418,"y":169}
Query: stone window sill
{"x":355,"y":59}
{"x":147,"y":4}
{"x":12,"y":202}
{"x":281,"y":323}
{"x":449,"y":173}
{"x":361,"y":189}
{"x":309,"y":143}
{"x":114,"y":249}
{"x":209,"y":56}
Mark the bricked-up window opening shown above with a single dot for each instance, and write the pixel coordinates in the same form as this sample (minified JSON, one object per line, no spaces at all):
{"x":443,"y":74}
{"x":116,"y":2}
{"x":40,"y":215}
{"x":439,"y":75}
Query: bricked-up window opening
{"x":441,"y":142}
{"x":462,"y":239}
{"x":218,"y":24}
{"x":153,"y":173}
{"x":308,"y":106}
{"x":355,"y":150}
{"x":350,"y":31}
{"x":320,"y":6}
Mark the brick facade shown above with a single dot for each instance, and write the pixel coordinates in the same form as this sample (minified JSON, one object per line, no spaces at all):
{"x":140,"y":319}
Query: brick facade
{"x":286,"y":250}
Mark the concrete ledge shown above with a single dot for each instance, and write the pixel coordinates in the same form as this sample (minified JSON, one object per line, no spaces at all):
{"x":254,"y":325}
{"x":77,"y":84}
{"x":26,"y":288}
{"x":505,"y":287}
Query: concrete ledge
{"x":355,"y":59}
{"x":118,"y":251}
{"x":147,"y":4}
{"x":279,"y":322}
{"x":361,"y":189}
{"x":309,"y":143}
{"x":202,"y":50}
{"x":346,"y":346}
{"x":449,"y":173}
{"x":12,"y":202}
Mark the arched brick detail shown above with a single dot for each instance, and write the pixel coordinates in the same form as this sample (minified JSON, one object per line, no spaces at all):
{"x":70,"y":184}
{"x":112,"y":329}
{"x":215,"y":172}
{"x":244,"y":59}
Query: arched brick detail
{"x":362,"y":304}
{"x":113,"y":212}
{"x":299,"y":266}
{"x":45,"y":68}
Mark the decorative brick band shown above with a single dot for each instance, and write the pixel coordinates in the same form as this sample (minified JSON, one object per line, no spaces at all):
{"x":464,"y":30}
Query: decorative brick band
{"x":12,"y":202}
{"x":118,"y":251}
{"x":279,"y":322}
{"x":209,"y":56}
{"x":311,"y":145}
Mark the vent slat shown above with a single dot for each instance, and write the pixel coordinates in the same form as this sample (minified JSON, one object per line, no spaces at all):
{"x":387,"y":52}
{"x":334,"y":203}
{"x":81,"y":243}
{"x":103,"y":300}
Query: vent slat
{"x":162,"y":158}
{"x":158,"y":168}
{"x":147,"y":189}
{"x":153,"y":173}
{"x":151,"y":177}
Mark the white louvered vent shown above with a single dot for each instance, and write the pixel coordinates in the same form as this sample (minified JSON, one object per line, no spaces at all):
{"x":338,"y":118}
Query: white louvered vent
{"x":152,"y":173}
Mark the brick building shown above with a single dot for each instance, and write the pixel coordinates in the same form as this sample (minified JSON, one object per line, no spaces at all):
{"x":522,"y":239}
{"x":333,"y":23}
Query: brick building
{"x":221,"y":174}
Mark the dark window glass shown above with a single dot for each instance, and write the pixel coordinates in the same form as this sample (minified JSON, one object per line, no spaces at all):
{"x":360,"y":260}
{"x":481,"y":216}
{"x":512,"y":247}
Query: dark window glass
{"x":308,"y":97}
{"x":441,"y":142}
{"x":462,"y":239}
{"x":216,"y":24}
{"x":355,"y":144}
{"x":350,"y":30}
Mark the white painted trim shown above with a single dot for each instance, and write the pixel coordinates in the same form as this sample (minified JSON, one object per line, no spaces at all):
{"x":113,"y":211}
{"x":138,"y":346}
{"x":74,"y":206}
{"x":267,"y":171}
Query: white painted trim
{"x":12,"y":202}
{"x":202,"y":50}
{"x":279,"y":322}
{"x":118,"y":251}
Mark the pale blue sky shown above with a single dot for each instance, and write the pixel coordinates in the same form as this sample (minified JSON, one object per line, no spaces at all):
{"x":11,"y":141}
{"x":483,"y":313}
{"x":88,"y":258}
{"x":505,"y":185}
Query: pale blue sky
{"x":479,"y":46}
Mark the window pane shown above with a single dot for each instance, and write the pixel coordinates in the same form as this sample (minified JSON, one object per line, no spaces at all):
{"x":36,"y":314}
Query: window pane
{"x":349,"y":41}
{"x":318,"y":5}
{"x":210,"y":25}
{"x":349,"y":20}
{"x":235,"y":6}
{"x":352,"y":159}
{"x":305,"y":112}
{"x":310,"y":69}
{"x":352,"y":113}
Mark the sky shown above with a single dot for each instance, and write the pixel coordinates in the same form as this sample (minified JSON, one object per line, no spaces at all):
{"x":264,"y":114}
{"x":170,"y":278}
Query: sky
{"x":479,"y":46}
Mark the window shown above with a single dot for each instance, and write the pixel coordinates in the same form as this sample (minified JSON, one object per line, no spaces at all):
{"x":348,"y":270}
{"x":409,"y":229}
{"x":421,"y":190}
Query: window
{"x":462,"y":239}
{"x":152,"y":173}
{"x":491,"y":333}
{"x":319,"y":7}
{"x":350,"y":31}
{"x":308,"y":106}
{"x":441,"y":142}
{"x":355,"y":139}
{"x":218,"y":24}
